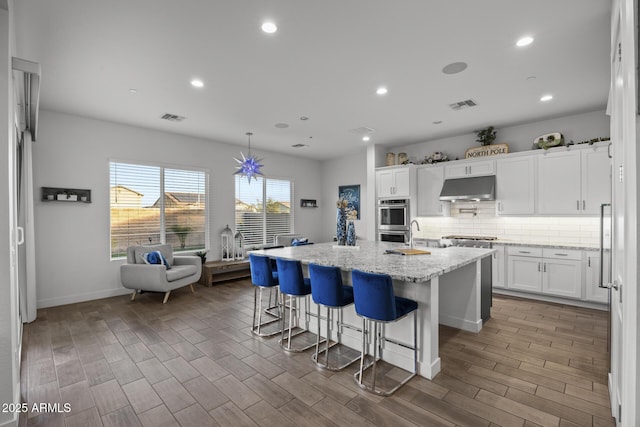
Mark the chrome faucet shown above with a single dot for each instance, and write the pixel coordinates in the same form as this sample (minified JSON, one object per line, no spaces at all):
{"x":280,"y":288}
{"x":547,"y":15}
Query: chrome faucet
{"x":411,"y":232}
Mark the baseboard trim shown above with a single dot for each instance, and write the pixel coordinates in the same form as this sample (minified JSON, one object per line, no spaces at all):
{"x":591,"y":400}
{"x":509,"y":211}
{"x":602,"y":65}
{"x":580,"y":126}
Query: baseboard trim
{"x":549,"y":298}
{"x":89,"y":296}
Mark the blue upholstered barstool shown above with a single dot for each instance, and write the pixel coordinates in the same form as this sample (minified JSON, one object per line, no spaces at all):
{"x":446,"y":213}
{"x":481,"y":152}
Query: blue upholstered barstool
{"x":294,"y":285}
{"x":328,"y":290}
{"x":263,"y":277}
{"x":376,"y":302}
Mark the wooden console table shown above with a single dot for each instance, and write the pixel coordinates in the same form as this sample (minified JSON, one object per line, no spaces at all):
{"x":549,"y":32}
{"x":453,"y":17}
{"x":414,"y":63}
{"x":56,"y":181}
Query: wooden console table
{"x":218,"y":271}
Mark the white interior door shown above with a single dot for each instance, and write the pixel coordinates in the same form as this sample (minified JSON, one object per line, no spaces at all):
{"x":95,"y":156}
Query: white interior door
{"x":616,"y":109}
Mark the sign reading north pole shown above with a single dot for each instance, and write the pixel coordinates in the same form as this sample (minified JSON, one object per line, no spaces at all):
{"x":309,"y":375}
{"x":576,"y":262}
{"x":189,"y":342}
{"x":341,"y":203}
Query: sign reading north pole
{"x":486,"y":151}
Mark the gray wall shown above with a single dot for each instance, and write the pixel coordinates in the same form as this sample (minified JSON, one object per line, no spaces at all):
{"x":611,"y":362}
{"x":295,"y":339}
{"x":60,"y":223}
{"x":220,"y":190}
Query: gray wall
{"x":72,"y":239}
{"x":347,"y":170}
{"x":576,"y":127}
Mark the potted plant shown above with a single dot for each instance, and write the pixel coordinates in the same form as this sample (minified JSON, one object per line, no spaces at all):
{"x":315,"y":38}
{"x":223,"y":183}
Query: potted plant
{"x":486,"y":136}
{"x":202,"y":255}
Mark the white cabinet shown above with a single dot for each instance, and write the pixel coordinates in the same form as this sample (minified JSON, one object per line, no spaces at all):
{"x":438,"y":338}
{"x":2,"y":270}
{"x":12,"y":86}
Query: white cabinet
{"x":548,"y":271}
{"x":515,"y":182}
{"x":559,"y":183}
{"x":562,"y":272}
{"x":469,"y":168}
{"x":593,"y":292}
{"x":430,"y":179}
{"x":596,"y":179}
{"x":574,"y":182}
{"x":524,"y":269}
{"x":498,"y":268}
{"x":394,"y":182}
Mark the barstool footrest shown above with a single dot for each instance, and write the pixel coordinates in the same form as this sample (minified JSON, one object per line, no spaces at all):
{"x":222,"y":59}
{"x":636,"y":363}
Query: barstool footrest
{"x":381,"y":378}
{"x":303,"y":338}
{"x":340,"y":356}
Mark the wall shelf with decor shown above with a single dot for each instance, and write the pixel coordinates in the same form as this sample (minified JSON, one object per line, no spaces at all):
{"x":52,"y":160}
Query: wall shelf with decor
{"x":308,"y":203}
{"x":54,"y":194}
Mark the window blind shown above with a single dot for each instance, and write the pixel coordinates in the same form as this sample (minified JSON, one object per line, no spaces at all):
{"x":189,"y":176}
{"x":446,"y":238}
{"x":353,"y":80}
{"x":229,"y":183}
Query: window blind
{"x":263,"y":209}
{"x":139,"y":215}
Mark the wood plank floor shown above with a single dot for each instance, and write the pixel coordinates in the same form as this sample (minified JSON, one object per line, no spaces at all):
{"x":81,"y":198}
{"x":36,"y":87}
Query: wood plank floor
{"x":193,"y":361}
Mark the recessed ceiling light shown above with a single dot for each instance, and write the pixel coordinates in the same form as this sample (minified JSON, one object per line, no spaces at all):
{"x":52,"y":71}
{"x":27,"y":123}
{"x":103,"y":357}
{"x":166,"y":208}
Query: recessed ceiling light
{"x":524,"y":41}
{"x":269,"y":27}
{"x":133,"y":91}
{"x":197,"y":83}
{"x":366,"y":138}
{"x":437,"y":122}
{"x":454,"y":68}
{"x":304,"y":118}
{"x":381,"y":90}
{"x":546,"y":98}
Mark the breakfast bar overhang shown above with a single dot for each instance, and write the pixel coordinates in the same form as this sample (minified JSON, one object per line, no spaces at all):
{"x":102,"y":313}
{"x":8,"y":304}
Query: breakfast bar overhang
{"x":445,"y":283}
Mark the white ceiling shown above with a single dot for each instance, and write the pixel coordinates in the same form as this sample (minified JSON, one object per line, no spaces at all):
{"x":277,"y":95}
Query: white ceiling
{"x":325,"y":62}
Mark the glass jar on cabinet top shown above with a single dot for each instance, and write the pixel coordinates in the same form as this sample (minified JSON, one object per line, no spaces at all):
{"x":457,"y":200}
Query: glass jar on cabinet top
{"x":227,"y":250}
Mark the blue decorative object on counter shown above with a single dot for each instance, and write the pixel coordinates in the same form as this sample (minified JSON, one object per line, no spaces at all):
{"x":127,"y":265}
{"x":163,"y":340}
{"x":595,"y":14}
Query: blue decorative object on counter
{"x":351,"y":234}
{"x":341,"y":226}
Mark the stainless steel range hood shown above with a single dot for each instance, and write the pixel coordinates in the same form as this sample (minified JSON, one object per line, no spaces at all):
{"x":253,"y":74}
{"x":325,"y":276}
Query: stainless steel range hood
{"x":472,"y":188}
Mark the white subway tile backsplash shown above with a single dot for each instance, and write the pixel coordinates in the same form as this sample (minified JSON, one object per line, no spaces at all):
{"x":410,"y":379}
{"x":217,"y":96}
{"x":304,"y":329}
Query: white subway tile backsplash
{"x":576,"y":231}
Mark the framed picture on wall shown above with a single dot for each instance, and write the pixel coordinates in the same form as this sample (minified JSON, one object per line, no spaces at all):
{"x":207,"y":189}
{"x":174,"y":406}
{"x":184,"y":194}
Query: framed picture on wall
{"x":351,"y":193}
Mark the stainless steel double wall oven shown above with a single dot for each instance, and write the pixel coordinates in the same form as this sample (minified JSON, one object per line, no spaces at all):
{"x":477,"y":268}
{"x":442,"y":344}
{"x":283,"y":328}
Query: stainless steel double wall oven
{"x":393,"y":220}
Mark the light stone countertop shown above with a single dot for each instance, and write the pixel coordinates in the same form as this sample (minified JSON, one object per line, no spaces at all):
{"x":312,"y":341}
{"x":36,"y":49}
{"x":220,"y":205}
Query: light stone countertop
{"x":371,"y":257}
{"x":506,"y":242}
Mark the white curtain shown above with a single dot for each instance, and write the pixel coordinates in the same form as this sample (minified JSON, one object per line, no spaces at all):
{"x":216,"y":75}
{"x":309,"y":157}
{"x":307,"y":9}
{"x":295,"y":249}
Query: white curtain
{"x":26,"y":251}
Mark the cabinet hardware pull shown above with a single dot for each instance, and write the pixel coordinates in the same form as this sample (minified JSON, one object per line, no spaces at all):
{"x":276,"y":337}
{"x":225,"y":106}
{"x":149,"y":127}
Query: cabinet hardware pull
{"x":578,"y":204}
{"x":562,"y":254}
{"x":544,"y":267}
{"x":538,"y":266}
{"x":524,"y":252}
{"x":588,"y":261}
{"x":584,"y":205}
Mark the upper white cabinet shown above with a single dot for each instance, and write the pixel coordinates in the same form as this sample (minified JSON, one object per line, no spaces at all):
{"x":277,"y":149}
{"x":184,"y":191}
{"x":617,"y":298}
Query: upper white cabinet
{"x":574,"y":183}
{"x":515,"y":182}
{"x":596,"y":179}
{"x":470,"y":168}
{"x":430,"y":179}
{"x":394,"y":182}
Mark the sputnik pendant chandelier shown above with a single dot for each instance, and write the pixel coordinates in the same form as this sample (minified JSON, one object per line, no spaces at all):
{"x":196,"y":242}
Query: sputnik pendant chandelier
{"x":250,"y":165}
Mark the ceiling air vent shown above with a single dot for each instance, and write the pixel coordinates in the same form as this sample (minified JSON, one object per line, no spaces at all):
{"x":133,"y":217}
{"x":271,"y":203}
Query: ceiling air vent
{"x":172,"y":117}
{"x":457,"y":106}
{"x":362,"y":130}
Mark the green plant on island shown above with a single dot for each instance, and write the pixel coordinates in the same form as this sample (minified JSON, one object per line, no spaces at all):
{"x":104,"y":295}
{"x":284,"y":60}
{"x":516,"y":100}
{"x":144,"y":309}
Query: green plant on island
{"x":486,"y":136}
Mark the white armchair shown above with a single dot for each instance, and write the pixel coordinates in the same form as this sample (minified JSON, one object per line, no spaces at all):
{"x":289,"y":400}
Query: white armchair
{"x":136,"y":274}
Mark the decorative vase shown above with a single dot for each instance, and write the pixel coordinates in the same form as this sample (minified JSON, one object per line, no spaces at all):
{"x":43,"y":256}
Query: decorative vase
{"x":341,"y":226}
{"x":351,"y":234}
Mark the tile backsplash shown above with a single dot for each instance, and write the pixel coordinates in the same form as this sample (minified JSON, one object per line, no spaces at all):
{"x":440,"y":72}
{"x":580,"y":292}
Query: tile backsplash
{"x":565,"y":230}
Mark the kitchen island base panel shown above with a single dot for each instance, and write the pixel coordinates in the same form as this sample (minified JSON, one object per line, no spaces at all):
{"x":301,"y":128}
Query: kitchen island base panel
{"x":421,"y":278}
{"x":458,"y":303}
{"x":429,"y":364}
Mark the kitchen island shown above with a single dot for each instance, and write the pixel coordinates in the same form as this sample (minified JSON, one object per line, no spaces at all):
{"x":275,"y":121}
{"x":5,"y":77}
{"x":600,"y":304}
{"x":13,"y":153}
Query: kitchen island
{"x":445,"y":283}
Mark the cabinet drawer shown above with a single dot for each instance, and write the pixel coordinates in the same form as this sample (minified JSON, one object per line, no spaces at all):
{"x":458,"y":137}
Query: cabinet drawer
{"x":524,"y":251}
{"x":562,"y":253}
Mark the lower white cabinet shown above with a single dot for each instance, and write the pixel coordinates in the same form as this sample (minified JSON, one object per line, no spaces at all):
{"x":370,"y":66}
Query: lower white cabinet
{"x":562,"y":273}
{"x":498,"y":267}
{"x":556,"y":272}
{"x":524,"y":268}
{"x":593,"y":292}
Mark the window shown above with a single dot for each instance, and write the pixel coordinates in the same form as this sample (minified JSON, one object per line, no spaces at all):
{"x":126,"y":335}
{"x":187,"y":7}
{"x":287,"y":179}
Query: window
{"x":140,"y":216}
{"x":263,"y":209}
